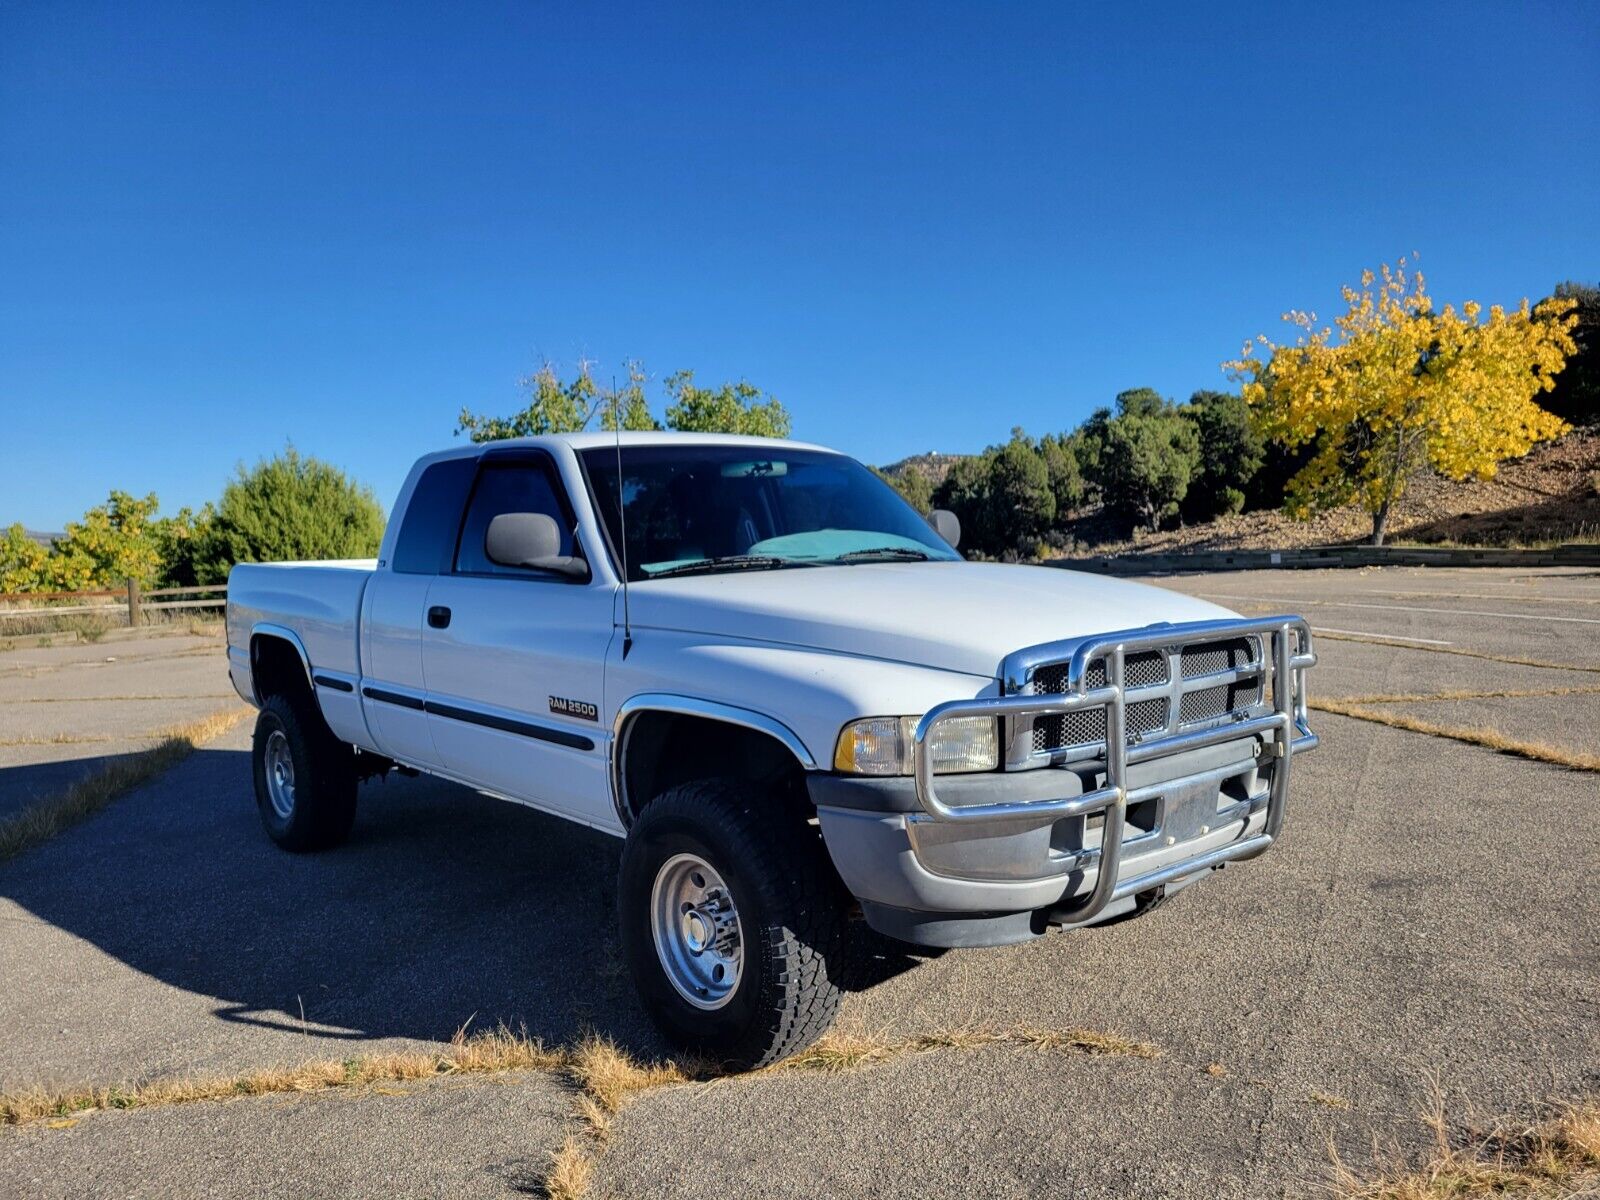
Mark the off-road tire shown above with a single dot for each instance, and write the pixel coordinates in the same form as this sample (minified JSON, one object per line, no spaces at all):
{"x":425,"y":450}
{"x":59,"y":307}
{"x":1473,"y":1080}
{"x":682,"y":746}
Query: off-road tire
{"x":324,"y":804}
{"x":791,"y":910}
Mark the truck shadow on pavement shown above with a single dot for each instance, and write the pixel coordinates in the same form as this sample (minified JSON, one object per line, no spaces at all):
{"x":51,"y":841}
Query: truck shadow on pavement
{"x":444,"y":908}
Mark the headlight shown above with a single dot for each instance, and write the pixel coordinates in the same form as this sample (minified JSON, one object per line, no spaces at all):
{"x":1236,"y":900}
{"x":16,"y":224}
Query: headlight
{"x":884,"y":745}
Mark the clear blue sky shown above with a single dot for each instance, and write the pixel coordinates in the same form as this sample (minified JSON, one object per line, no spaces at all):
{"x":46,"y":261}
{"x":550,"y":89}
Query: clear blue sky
{"x":226,"y":225}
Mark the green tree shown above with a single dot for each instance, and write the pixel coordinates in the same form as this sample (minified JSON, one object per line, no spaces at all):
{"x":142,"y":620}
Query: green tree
{"x":180,"y":540}
{"x":1141,"y":402}
{"x":289,"y":508}
{"x":732,"y":408}
{"x":1231,"y":452}
{"x":1147,"y":461}
{"x":1576,"y":394}
{"x":965,"y":491}
{"x":557,"y":405}
{"x":1061,"y":466}
{"x":1023,"y":505}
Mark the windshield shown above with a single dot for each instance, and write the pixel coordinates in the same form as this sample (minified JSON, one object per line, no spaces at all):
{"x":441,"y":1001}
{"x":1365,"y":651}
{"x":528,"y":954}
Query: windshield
{"x":701,"y":508}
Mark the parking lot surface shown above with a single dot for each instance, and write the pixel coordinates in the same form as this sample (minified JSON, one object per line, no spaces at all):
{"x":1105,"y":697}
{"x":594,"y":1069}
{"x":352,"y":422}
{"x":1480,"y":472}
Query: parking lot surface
{"x":1428,"y":918}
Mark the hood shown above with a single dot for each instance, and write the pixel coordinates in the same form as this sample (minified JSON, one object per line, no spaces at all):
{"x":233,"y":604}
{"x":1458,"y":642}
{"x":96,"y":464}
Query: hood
{"x":954,"y":616}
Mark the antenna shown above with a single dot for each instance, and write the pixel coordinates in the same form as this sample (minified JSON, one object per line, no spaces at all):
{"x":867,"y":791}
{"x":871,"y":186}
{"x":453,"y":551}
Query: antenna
{"x":622,"y":519}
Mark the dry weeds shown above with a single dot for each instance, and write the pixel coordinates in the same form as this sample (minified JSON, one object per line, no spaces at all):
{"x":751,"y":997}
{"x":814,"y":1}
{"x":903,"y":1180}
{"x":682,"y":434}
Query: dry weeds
{"x":501,"y":1050}
{"x":1474,"y":735}
{"x":1558,"y":1157}
{"x":44,"y":819}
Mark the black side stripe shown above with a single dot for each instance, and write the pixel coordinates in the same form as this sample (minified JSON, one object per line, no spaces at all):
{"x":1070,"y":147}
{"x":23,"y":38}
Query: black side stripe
{"x":338,"y":685}
{"x":396,"y":698}
{"x":543,"y":733}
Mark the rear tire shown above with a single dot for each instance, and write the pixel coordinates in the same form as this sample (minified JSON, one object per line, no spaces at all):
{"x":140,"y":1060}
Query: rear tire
{"x":305,"y":779}
{"x":732,"y":922}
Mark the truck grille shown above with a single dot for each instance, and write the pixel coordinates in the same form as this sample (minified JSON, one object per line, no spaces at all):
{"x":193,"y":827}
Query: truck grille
{"x":1167,"y":674}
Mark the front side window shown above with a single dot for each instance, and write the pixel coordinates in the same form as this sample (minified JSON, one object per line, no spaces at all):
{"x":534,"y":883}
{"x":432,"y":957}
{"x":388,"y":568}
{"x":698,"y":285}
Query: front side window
{"x":513,"y":487}
{"x":702,"y":508}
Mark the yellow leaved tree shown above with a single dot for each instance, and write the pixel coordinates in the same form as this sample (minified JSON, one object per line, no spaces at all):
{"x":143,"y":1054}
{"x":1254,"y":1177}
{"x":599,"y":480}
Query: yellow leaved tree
{"x":1396,"y":387}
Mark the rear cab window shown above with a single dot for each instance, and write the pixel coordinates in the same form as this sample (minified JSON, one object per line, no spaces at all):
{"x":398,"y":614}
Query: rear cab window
{"x":427,"y":538}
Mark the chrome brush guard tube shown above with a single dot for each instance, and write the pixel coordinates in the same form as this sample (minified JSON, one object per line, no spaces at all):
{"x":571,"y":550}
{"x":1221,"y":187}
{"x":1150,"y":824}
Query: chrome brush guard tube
{"x":1285,"y":654}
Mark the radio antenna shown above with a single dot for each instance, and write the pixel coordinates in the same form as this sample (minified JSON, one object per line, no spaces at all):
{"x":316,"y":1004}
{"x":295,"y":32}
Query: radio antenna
{"x":622,"y":518}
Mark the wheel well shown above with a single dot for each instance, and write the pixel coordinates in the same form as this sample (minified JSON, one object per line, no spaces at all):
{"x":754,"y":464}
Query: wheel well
{"x":278,"y":670}
{"x":660,"y":750}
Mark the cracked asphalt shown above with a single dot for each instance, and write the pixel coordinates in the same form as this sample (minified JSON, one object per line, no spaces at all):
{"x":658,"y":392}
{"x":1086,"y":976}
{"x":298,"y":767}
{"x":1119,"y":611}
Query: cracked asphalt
{"x":1428,"y":919}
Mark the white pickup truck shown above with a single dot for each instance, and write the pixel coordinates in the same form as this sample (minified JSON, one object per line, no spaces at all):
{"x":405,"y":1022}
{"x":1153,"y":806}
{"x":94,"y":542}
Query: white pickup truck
{"x":787,"y":691}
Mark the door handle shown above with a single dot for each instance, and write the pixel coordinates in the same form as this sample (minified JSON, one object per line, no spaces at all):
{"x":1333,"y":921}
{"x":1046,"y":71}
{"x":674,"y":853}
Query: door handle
{"x":439,"y":616}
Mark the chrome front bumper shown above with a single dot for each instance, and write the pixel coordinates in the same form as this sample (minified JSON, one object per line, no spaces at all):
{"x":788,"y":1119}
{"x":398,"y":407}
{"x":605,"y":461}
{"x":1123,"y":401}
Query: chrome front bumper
{"x":1287,"y":652}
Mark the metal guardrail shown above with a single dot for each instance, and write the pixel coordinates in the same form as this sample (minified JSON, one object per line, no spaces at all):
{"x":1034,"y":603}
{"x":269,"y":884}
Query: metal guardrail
{"x":135,"y":601}
{"x":1286,"y":722}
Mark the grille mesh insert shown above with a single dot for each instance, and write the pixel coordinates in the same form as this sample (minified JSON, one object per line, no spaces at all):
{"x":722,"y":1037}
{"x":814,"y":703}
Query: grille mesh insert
{"x":1207,"y":657}
{"x":1087,"y":727}
{"x":1152,"y":669}
{"x":1206,"y":703}
{"x":1145,"y":669}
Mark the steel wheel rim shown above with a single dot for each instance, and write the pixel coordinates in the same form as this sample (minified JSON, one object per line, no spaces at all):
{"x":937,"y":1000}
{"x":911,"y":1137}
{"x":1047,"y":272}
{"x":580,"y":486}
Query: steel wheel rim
{"x":280,"y":774}
{"x":697,"y":933}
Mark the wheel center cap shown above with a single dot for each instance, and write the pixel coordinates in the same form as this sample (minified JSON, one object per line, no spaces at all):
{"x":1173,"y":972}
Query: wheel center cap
{"x":698,"y":930}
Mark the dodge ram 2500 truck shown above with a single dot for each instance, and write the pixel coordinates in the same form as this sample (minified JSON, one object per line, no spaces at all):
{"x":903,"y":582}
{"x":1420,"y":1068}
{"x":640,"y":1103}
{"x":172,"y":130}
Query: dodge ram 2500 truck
{"x":790,"y":695}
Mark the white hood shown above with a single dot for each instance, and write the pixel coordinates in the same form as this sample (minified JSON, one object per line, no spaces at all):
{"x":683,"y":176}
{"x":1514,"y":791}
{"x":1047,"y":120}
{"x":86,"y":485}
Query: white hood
{"x":955,"y":616}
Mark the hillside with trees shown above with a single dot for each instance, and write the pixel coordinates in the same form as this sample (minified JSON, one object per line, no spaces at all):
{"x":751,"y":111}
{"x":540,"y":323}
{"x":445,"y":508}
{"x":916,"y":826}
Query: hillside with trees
{"x":1400,"y":418}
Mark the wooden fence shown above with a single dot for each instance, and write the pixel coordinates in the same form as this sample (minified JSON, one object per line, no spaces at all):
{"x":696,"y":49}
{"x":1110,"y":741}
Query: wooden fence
{"x":130,"y":600}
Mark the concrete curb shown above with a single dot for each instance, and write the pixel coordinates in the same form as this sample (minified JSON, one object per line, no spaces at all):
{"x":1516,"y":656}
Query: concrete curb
{"x":1332,"y":556}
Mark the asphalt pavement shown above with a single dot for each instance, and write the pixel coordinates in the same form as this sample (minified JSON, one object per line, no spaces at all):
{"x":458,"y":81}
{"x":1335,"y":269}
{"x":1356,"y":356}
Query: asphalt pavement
{"x":1428,"y":919}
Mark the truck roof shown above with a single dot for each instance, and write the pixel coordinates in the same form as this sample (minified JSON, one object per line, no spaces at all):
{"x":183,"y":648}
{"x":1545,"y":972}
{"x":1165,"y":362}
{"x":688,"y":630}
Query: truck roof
{"x":597,"y":439}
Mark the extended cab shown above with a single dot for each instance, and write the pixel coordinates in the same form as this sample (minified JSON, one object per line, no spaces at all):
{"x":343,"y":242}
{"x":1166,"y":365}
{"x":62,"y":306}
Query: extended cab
{"x":787,"y":691}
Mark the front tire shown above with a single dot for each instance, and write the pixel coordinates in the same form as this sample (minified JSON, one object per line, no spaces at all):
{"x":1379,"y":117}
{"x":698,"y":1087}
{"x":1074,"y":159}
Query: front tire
{"x":731,"y":922}
{"x":305,"y":779}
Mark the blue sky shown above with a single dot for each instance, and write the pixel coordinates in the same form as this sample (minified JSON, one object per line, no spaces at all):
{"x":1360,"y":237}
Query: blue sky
{"x":225,"y":226}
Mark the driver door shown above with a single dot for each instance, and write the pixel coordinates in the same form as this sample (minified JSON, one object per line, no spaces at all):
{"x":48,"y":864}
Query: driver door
{"x":513,"y":657}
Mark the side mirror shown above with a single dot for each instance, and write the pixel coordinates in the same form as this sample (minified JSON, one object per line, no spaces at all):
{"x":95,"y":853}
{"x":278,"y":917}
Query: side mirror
{"x":947,"y":525}
{"x":531,"y":541}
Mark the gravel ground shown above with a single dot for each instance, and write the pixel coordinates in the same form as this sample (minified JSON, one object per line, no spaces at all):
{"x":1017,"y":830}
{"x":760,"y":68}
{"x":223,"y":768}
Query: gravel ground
{"x":1429,"y":915}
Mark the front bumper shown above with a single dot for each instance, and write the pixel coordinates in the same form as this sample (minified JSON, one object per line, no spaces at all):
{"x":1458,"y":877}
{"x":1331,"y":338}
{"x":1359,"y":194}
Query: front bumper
{"x":1001,"y":857}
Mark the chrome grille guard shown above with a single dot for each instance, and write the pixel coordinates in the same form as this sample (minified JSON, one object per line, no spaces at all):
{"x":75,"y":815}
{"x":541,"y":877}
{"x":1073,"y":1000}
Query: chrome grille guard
{"x":1289,"y":655}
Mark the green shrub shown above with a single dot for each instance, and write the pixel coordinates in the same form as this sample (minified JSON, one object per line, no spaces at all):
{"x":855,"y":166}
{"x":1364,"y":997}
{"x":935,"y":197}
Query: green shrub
{"x":286,"y":509}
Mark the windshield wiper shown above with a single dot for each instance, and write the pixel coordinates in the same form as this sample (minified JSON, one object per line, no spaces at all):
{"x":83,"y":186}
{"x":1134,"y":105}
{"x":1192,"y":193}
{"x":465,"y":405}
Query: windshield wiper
{"x":885,"y":553}
{"x":726,"y":562}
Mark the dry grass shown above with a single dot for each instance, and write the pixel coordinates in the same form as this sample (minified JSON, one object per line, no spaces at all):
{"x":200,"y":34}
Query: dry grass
{"x":1472,"y":735}
{"x":116,"y":699}
{"x":840,"y":1051}
{"x":610,"y":1077}
{"x":57,"y":739}
{"x":1556,"y":1157}
{"x":501,"y":1050}
{"x":1378,"y":640}
{"x":44,"y":819}
{"x":1467,"y":694}
{"x":571,"y":1172}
